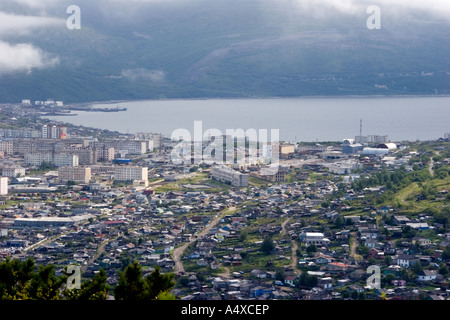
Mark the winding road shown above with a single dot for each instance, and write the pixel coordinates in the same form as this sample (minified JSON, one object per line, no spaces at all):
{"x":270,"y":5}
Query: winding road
{"x":177,"y":253}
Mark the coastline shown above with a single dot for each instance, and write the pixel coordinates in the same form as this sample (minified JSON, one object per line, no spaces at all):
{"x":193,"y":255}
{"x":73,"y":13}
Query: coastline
{"x":107,"y":102}
{"x":298,"y":126}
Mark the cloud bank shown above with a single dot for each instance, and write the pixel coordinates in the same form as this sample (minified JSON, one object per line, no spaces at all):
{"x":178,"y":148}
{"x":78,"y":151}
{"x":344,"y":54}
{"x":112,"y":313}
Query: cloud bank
{"x":142,"y":74}
{"x":19,"y":24}
{"x":436,"y":7}
{"x":23,"y":57}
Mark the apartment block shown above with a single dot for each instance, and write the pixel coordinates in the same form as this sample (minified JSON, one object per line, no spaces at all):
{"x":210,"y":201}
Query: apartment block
{"x":104,"y":153}
{"x":13,"y":172}
{"x":7,"y":147}
{"x":228,"y":175}
{"x":3,"y":186}
{"x":125,"y":146}
{"x":54,"y":131}
{"x":127,"y":173}
{"x":56,"y":159}
{"x":76,"y":174}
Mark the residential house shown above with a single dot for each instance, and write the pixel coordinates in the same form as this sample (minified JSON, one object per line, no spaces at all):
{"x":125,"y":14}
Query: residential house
{"x":338,"y":267}
{"x":258,"y":273}
{"x":259,"y":291}
{"x":400,"y":219}
{"x":289,"y":280}
{"x":421,"y":240}
{"x":321,"y":258}
{"x":371,"y":243}
{"x":427,"y":275}
{"x":375,"y":253}
{"x":325,"y":283}
{"x":280,"y":295}
{"x":406,"y":260}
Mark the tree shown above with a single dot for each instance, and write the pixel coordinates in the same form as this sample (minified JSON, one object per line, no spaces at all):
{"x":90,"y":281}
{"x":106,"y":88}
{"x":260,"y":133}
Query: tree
{"x":21,"y":281}
{"x":131,"y":283}
{"x":443,"y":216}
{"x":14,"y":277}
{"x":280,"y":275}
{"x":184,"y":281}
{"x":362,"y":250}
{"x":267,"y":246}
{"x":443,"y":269}
{"x":306,"y":280}
{"x":311,"y":249}
{"x":95,"y":289}
{"x":45,"y":285}
{"x":158,"y":283}
{"x":133,"y":286}
{"x":446,"y":254}
{"x":387,"y":279}
{"x":339,"y":222}
{"x":243,"y":235}
{"x":166,"y":296}
{"x":408,"y":232}
{"x":388,"y":260}
{"x":417,"y":268}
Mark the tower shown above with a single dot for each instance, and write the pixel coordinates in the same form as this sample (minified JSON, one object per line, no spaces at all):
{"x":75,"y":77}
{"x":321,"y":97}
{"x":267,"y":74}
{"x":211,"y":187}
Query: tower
{"x":360,"y":128}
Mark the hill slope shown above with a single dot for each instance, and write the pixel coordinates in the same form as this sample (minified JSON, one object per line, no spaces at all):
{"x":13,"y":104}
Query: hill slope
{"x":252,"y":48}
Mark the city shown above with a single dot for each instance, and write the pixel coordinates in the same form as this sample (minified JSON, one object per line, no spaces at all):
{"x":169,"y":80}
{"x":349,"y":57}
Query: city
{"x":311,"y":230}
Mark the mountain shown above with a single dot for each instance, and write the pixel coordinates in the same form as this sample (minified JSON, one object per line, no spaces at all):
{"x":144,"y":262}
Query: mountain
{"x":215,"y":48}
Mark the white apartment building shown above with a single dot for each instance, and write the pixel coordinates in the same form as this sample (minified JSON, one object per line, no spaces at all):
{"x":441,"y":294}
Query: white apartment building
{"x":54,"y":131}
{"x":65,"y":159}
{"x":3,"y":186}
{"x":130,"y":173}
{"x":37,"y":158}
{"x":104,"y":153}
{"x":57,"y":159}
{"x":13,"y":172}
{"x":76,"y":174}
{"x":225,"y":174}
{"x":128,"y":146}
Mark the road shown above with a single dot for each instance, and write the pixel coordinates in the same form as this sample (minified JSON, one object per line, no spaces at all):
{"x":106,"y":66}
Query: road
{"x":294,"y":259}
{"x":177,"y":253}
{"x":100,"y":250}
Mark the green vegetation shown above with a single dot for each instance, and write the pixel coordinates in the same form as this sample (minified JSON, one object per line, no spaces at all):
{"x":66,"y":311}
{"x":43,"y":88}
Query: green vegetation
{"x":25,"y":281}
{"x":267,"y":246}
{"x":133,"y":286}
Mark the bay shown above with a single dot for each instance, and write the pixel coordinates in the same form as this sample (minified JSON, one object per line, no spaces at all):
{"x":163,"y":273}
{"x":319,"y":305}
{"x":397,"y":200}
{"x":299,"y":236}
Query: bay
{"x":298,"y":119}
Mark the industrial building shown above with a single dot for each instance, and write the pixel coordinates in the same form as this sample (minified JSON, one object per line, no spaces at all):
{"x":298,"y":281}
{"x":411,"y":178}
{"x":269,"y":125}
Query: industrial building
{"x":48,"y":222}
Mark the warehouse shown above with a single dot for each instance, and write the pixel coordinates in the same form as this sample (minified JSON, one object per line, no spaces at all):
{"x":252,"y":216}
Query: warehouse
{"x":49,"y":222}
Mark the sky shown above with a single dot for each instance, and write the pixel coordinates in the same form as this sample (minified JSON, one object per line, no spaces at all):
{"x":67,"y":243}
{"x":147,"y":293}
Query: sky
{"x":22,"y":17}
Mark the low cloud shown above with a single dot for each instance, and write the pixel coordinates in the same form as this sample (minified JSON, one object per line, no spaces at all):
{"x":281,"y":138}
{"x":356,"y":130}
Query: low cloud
{"x":19,"y":25}
{"x":143,"y":75}
{"x":23,"y":57}
{"x":351,"y":7}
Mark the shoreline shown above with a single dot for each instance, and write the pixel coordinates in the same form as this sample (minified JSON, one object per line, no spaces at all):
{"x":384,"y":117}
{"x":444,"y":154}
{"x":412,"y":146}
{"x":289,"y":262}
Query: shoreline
{"x":183,"y":104}
{"x":108,"y":102}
